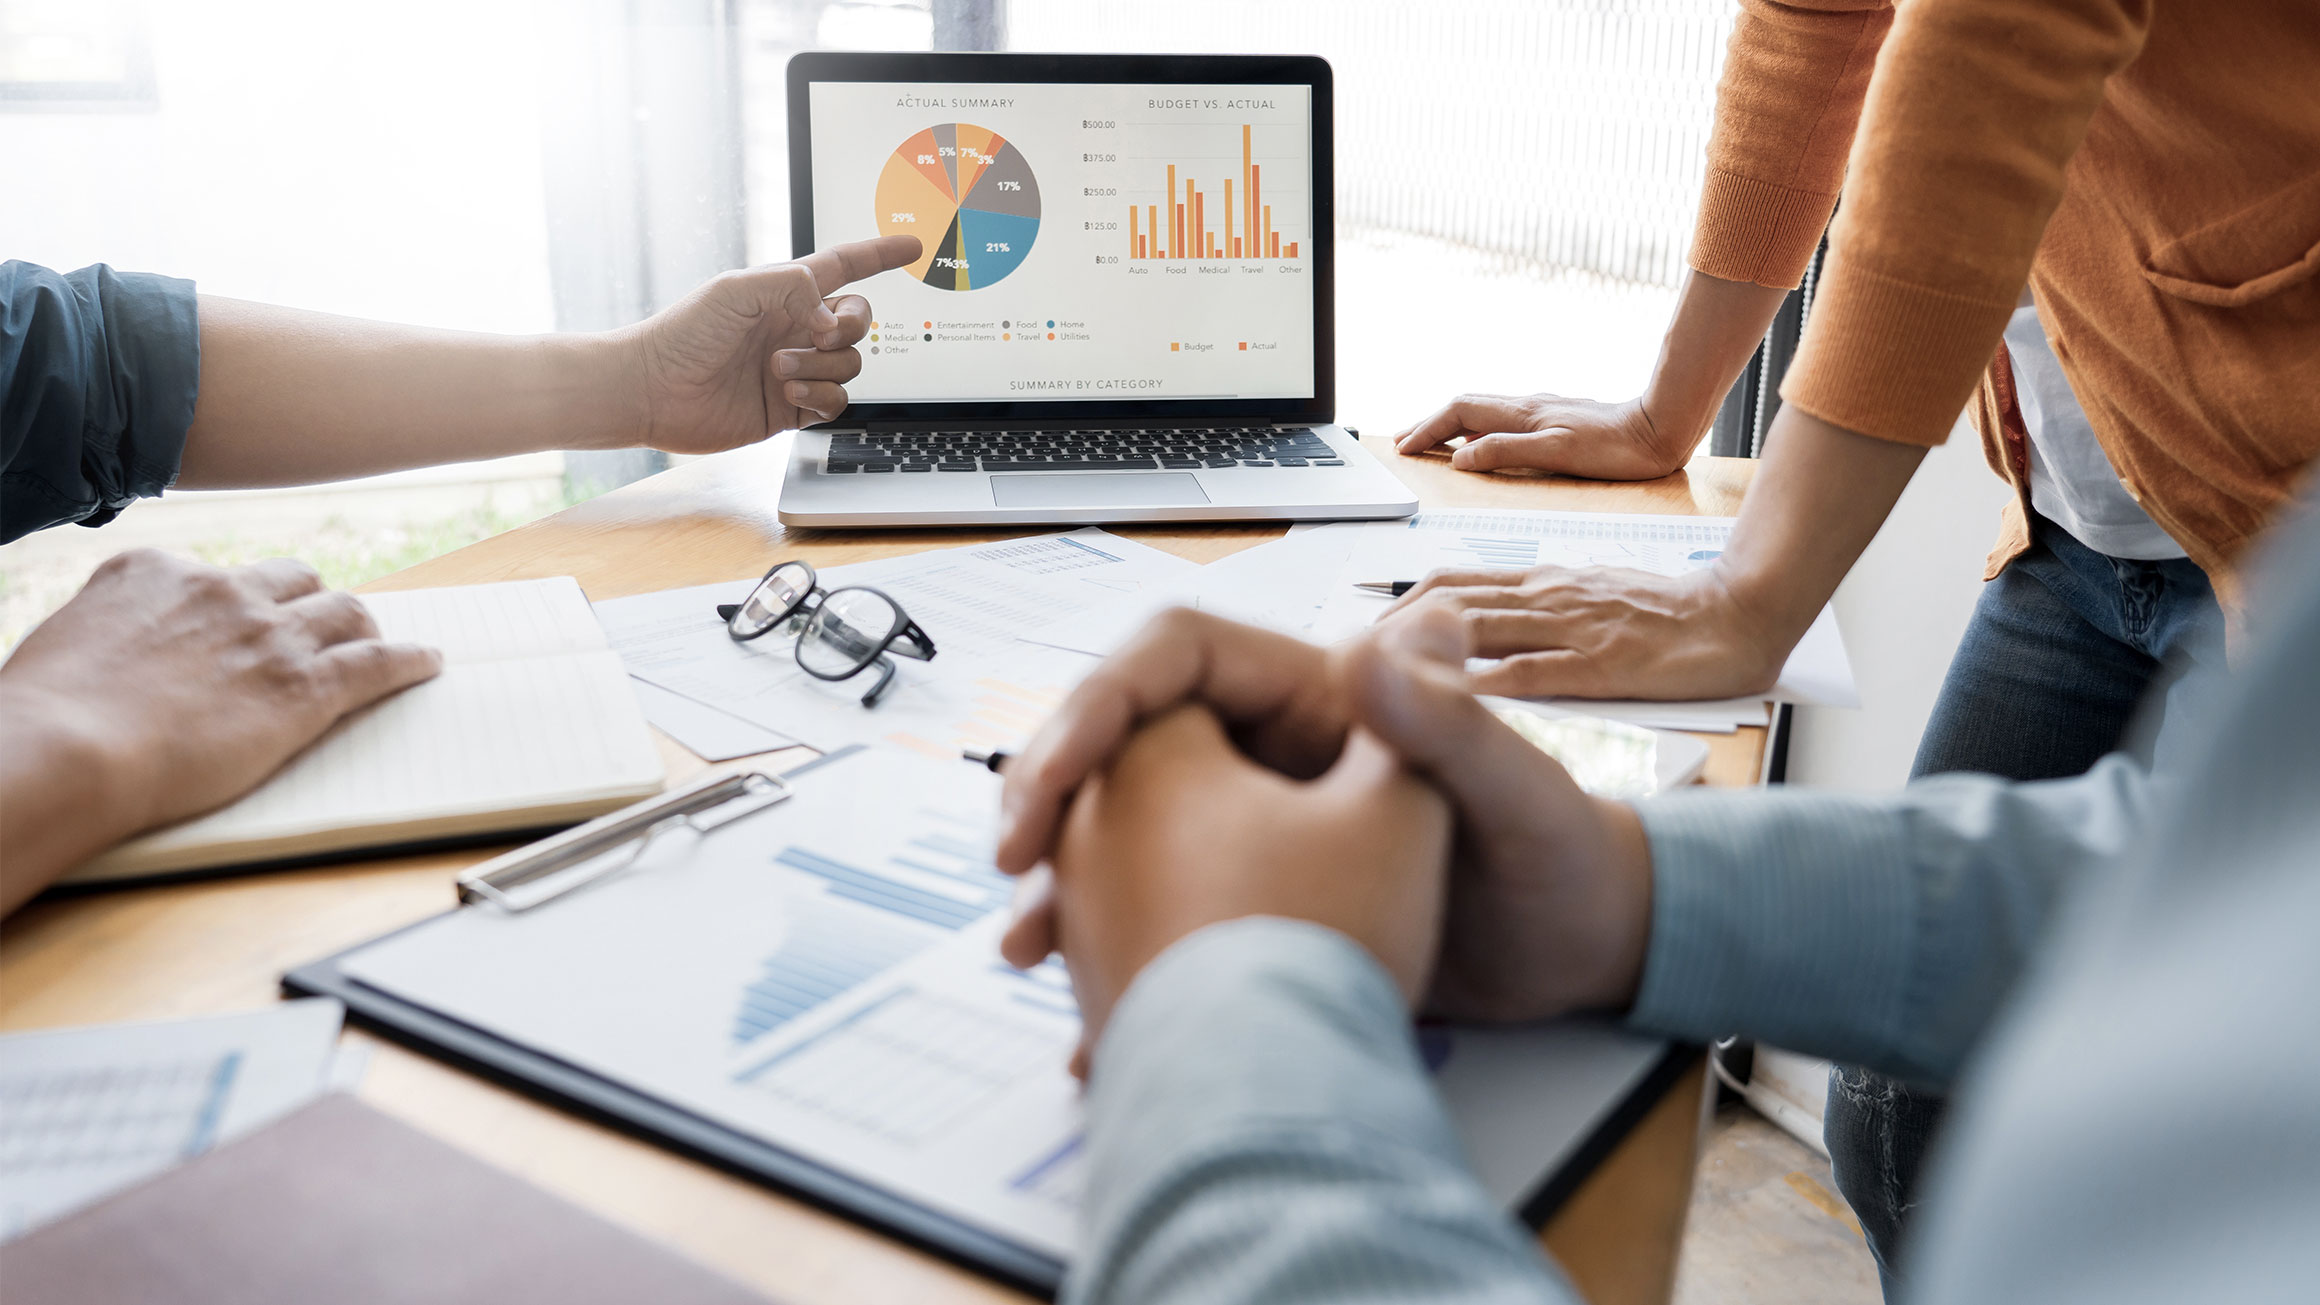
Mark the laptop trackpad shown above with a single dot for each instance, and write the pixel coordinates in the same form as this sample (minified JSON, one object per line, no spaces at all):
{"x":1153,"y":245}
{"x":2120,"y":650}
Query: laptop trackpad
{"x":1081,"y":490}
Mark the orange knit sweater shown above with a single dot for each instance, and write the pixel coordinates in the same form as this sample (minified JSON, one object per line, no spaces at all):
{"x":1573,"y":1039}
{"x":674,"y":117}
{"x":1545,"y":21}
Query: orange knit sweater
{"x":2151,"y":168}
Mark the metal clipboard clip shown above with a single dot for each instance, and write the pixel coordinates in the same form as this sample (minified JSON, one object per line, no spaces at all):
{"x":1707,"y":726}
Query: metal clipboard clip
{"x":546,"y":870}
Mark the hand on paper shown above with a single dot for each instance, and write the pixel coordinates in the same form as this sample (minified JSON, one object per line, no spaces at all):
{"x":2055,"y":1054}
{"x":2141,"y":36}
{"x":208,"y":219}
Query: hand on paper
{"x":759,"y":350}
{"x":166,"y":688}
{"x":1546,"y":432}
{"x":1549,"y":896}
{"x":1180,"y":831}
{"x":1602,"y":632}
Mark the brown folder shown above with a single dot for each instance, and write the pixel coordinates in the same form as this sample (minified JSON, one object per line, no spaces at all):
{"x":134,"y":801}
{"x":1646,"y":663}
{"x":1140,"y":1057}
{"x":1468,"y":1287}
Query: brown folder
{"x":338,"y":1203}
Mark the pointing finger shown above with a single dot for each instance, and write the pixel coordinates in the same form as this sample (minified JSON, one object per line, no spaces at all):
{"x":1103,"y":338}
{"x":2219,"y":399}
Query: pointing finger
{"x":840,"y":264}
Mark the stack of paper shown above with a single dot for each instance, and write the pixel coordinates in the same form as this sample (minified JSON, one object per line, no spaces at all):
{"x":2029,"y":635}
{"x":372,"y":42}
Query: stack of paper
{"x":986,"y":687}
{"x":1305,"y":584}
{"x":1017,"y":624}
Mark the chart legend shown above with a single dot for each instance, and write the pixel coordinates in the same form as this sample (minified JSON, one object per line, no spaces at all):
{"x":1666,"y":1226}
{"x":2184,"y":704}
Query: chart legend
{"x":969,"y":197}
{"x":1184,"y":227}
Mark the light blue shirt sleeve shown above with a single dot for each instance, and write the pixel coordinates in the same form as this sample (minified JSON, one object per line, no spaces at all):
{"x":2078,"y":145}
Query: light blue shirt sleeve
{"x":1876,"y":930}
{"x":1261,"y":1129}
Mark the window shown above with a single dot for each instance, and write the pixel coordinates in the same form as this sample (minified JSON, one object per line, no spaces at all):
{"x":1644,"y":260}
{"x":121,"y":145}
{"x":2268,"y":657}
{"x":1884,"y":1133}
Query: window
{"x":1516,"y":184}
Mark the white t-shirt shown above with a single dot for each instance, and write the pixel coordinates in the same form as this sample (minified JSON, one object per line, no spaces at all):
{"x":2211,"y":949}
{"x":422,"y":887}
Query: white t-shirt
{"x":2072,"y":482}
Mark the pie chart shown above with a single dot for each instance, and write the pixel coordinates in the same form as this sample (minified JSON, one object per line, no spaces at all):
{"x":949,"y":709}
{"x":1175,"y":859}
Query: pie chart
{"x":969,"y":197}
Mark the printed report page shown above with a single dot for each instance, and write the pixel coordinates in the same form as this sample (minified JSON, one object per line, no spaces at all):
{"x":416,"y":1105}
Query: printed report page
{"x":824,"y":976}
{"x":1080,"y":242}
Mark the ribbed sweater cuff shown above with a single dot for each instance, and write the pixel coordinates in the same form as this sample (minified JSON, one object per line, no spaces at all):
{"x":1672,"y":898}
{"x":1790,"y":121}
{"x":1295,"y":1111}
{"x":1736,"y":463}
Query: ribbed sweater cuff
{"x":1756,"y":231}
{"x":1891,"y":359}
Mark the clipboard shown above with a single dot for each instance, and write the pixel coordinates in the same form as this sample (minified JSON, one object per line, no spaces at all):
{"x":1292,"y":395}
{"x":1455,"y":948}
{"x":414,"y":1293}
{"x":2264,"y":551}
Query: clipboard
{"x":531,"y":878}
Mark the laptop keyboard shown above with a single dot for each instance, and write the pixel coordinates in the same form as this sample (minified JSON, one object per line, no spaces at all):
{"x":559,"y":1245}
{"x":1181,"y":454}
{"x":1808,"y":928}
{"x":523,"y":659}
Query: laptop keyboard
{"x":1188,"y":448}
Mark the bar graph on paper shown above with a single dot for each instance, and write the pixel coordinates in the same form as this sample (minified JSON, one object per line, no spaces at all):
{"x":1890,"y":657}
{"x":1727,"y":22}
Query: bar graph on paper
{"x":910,"y":1064}
{"x":1207,"y":216}
{"x":866,"y":917}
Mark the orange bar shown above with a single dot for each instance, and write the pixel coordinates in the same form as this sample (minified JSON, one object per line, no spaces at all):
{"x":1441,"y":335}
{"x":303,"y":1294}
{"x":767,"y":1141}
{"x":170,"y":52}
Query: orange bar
{"x":1256,"y":199}
{"x":1175,"y":242}
{"x":1199,"y":225}
{"x":1152,"y":225}
{"x":1292,"y":249}
{"x":1132,"y":241}
{"x":1272,"y":237}
{"x":1248,"y":189}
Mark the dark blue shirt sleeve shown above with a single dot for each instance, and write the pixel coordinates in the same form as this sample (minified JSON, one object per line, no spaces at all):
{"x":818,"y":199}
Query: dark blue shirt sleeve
{"x":98,"y":372}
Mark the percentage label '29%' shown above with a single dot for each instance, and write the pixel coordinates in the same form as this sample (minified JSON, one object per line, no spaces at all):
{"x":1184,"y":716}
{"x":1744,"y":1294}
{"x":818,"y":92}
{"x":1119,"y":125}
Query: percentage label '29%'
{"x":973,"y":187}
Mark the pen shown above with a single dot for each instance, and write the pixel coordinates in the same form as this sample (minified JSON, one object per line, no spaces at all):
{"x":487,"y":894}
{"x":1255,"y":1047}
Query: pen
{"x":1390,"y":588}
{"x":989,"y":759}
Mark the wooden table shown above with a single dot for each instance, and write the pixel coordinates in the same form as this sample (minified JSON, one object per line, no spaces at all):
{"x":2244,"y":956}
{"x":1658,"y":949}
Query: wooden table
{"x":221,"y":945}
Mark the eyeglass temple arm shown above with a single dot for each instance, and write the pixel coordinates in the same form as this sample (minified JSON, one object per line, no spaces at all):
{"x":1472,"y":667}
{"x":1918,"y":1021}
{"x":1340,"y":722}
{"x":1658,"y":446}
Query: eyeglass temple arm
{"x":885,"y":667}
{"x":914,"y":643}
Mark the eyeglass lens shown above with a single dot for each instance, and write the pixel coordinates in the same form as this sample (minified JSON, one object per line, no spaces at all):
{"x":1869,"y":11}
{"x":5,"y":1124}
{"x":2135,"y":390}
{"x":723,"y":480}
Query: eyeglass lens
{"x":774,"y":598}
{"x":847,"y":630}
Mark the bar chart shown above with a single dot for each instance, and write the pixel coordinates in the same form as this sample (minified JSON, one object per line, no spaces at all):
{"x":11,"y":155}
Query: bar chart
{"x":868,"y":919}
{"x":908,"y":1066}
{"x":1185,"y":227}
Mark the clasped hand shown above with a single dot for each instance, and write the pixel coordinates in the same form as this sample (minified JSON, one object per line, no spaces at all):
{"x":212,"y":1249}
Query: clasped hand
{"x":1209,"y":771}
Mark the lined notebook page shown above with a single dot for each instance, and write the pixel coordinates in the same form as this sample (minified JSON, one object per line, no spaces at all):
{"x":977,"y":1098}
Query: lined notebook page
{"x":494,"y":622}
{"x":516,"y":727}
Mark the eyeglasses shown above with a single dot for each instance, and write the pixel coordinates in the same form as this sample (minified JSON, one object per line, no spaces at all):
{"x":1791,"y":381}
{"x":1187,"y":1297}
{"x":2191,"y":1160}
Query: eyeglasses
{"x":840,"y":632}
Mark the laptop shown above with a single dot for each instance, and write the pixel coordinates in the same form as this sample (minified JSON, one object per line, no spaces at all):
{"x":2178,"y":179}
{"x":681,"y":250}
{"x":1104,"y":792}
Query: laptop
{"x":1123,"y":308}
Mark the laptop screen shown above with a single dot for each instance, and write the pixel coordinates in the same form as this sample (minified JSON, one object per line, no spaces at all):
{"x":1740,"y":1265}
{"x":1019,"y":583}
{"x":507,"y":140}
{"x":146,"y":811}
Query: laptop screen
{"x":1082,"y":242}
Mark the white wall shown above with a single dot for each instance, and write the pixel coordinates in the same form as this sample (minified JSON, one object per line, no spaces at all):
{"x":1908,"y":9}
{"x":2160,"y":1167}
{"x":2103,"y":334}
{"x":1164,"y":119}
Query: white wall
{"x":1902,"y":610}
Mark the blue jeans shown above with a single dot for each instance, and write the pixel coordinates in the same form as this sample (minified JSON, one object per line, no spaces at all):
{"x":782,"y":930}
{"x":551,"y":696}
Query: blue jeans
{"x":2064,"y":647}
